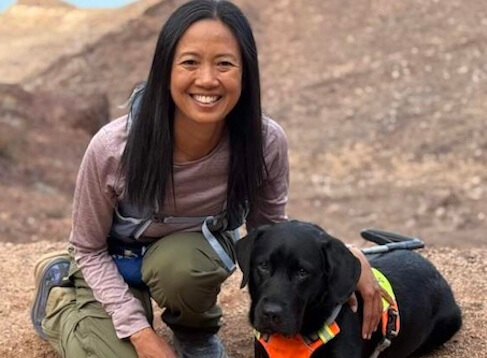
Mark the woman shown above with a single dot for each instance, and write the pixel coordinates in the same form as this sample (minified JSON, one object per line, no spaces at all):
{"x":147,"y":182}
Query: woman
{"x":159,"y":195}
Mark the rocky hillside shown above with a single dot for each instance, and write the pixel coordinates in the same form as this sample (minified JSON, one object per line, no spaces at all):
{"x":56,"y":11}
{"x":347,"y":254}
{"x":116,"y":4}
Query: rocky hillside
{"x":34,"y":33}
{"x":383,"y":103}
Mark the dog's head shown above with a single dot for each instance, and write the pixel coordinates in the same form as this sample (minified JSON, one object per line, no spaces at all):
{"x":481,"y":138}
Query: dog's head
{"x":297,"y":274}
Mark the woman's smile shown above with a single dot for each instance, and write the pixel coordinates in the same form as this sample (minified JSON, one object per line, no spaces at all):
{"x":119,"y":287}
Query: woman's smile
{"x":205,"y":99}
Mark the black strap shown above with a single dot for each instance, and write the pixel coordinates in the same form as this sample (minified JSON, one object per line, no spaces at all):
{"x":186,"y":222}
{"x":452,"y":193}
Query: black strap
{"x":126,"y":249}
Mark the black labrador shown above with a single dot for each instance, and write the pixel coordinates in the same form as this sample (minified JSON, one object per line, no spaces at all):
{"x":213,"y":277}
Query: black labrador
{"x":298,"y":274}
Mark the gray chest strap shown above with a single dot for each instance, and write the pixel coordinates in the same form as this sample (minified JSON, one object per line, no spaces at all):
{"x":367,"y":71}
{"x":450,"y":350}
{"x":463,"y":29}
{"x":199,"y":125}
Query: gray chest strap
{"x":215,"y":244}
{"x":215,"y":222}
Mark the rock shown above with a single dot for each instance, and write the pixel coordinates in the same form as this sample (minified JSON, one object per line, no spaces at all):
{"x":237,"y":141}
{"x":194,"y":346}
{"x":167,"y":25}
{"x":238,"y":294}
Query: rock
{"x":22,"y":109}
{"x":45,"y":3}
{"x":86,"y":112}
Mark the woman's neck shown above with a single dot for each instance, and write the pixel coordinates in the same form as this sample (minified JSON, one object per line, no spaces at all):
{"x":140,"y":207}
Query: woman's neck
{"x":193,"y":141}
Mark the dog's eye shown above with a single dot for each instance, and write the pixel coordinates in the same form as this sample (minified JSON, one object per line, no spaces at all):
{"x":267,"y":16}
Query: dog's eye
{"x":264,"y":266}
{"x":302,"y":273}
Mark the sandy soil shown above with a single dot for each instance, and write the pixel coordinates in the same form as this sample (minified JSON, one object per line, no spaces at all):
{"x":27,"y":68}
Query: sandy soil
{"x":465,"y":269}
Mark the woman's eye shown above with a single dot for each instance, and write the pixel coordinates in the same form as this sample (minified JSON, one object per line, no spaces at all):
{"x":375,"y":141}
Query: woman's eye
{"x":225,"y":65}
{"x":189,"y":63}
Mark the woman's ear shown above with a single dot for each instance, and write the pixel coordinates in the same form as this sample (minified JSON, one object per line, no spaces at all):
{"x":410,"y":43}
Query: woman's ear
{"x":244,"y":248}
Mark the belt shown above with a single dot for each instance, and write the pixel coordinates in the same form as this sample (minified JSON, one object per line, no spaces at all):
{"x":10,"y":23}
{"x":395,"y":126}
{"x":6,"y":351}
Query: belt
{"x":120,"y":248}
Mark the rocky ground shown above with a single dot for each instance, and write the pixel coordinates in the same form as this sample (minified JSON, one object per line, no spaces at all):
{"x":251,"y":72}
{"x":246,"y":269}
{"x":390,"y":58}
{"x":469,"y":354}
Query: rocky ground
{"x":465,"y":269}
{"x":383,"y":103}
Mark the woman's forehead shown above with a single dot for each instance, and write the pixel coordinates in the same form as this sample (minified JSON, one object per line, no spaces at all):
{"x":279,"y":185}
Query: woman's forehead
{"x":208,"y":35}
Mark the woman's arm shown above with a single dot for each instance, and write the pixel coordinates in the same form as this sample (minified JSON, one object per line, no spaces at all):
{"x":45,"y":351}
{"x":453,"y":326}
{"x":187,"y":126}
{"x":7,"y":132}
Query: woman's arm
{"x":371,"y":293}
{"x":149,"y":345}
{"x":272,"y":207}
{"x":93,"y":206}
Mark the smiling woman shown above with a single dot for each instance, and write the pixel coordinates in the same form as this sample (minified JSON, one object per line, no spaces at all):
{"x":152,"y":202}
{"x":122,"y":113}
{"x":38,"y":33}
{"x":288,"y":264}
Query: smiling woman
{"x":160,"y":193}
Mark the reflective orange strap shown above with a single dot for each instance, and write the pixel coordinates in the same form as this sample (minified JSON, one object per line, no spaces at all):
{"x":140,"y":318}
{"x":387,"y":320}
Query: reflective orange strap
{"x":278,"y":346}
{"x":391,"y":322}
{"x":328,"y":332}
{"x":390,"y":315}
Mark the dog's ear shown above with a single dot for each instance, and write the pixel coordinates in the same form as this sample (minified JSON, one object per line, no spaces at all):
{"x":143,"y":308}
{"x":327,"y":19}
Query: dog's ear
{"x":342,"y":267}
{"x":244,"y":248}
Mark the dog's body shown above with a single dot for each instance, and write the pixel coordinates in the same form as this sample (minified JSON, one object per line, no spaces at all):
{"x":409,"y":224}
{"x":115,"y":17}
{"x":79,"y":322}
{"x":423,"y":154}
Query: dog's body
{"x":298,"y":275}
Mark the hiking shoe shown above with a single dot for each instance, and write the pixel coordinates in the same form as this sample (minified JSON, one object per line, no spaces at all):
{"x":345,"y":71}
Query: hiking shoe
{"x":50,"y":271}
{"x":198,"y":345}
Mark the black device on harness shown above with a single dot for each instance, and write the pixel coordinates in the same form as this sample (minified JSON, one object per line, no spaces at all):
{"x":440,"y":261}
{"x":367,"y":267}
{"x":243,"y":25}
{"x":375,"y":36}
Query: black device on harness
{"x":388,"y":241}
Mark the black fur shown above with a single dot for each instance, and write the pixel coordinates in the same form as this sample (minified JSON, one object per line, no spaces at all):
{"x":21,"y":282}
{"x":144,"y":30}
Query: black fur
{"x":297,"y":274}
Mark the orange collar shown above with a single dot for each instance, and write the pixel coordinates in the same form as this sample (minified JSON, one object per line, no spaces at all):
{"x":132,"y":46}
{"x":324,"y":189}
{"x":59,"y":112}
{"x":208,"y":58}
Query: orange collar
{"x":278,"y":346}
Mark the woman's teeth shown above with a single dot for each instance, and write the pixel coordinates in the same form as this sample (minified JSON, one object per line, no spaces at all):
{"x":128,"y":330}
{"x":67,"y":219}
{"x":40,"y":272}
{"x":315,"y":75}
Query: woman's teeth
{"x":205,"y":99}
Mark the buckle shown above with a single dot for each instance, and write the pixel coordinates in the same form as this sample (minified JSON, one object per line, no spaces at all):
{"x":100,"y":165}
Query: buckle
{"x":392,"y":328}
{"x":129,"y":253}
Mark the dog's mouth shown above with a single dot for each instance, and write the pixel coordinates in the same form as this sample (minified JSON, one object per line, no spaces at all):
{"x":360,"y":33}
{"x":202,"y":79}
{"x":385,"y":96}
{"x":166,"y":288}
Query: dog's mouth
{"x":271,"y":318}
{"x":270,"y":330}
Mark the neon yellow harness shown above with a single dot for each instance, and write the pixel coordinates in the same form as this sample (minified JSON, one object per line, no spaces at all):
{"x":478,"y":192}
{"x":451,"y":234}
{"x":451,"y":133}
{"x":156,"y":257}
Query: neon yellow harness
{"x":391,"y":322}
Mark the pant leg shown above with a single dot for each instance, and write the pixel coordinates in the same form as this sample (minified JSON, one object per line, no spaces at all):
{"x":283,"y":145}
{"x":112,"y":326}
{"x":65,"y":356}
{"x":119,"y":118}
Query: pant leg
{"x":184,"y":275}
{"x":77,"y":326}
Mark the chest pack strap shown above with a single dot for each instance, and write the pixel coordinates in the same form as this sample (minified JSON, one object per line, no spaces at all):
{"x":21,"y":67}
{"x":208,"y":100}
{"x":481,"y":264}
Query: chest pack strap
{"x":215,"y":244}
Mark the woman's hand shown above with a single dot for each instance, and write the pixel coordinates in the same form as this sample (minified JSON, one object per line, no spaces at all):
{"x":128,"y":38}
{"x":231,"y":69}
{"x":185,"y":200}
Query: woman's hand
{"x":372,"y":295}
{"x":149,"y":345}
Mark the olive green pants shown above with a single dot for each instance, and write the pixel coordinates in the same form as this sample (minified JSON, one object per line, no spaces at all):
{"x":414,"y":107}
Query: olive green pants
{"x":183,"y":275}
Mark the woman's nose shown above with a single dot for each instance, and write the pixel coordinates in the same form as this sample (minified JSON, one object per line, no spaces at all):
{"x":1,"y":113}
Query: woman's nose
{"x":207,"y":76}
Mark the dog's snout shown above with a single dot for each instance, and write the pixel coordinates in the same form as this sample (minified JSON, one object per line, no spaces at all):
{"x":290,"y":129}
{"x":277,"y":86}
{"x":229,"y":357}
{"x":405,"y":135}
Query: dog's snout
{"x":272,"y":312}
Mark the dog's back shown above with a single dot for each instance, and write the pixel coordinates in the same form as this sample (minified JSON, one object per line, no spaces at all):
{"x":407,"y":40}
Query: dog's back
{"x":428,"y":312}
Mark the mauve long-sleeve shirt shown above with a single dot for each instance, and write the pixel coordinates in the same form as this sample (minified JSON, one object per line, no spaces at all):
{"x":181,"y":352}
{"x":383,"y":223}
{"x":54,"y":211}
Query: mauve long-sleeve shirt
{"x":201,"y":188}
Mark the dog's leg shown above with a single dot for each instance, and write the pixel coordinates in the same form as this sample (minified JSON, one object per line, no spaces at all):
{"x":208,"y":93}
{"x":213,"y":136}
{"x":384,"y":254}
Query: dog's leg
{"x":447,"y":323}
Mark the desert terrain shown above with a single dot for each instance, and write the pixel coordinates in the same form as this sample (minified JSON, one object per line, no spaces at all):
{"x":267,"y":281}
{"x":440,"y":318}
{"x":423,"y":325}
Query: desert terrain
{"x":383,"y":102}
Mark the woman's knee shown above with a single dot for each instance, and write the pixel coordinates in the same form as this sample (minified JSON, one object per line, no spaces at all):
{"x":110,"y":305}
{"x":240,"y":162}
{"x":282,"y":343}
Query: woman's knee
{"x":196,"y":289}
{"x":185,"y":271}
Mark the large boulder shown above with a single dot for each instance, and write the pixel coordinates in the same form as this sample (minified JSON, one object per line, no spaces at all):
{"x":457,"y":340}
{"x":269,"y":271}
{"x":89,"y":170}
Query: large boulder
{"x":86,"y":112}
{"x":20,"y":108}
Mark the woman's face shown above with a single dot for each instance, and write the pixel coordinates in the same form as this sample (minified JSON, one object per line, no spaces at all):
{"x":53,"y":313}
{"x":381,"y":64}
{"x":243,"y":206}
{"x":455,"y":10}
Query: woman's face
{"x":206,"y":74}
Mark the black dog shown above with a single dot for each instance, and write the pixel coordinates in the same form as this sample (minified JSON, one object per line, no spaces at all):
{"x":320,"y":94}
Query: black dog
{"x":298,"y":275}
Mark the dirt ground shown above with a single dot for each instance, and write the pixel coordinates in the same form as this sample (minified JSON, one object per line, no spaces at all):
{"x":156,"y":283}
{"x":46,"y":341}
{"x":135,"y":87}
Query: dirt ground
{"x":383,"y":104}
{"x":465,"y":269}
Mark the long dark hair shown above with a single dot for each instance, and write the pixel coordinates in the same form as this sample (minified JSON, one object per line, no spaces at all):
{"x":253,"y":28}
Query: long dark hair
{"x":147,"y":160}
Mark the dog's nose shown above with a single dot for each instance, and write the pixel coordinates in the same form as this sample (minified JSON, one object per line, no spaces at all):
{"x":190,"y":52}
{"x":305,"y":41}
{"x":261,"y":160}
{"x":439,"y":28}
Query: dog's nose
{"x":272,"y":312}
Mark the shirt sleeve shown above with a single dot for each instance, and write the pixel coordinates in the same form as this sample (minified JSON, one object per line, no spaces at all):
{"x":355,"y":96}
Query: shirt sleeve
{"x":272,"y":207}
{"x":93,"y":205}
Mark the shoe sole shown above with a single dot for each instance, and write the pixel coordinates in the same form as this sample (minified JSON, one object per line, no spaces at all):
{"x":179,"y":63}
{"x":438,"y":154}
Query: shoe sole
{"x":44,"y":283}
